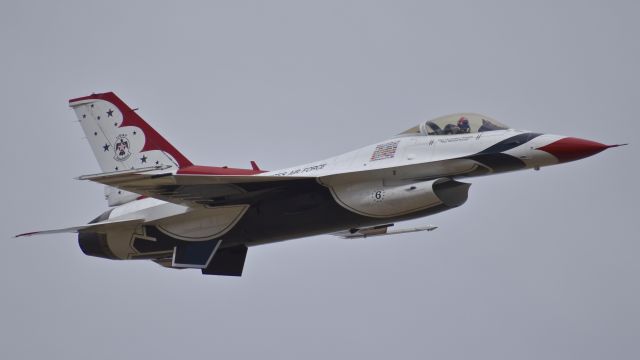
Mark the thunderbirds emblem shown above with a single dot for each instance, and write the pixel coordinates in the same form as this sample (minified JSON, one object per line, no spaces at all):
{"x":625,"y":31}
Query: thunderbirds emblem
{"x":122,"y":152}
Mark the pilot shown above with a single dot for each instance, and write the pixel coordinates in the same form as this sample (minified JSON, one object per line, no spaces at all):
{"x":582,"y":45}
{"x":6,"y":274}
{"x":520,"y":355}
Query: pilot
{"x":463,"y":125}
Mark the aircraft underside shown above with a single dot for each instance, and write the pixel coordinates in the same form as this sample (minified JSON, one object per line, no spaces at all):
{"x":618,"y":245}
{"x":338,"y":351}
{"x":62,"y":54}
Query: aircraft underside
{"x":303,"y":209}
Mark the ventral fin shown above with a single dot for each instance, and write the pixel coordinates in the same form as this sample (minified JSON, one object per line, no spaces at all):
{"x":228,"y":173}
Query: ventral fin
{"x":195,"y":254}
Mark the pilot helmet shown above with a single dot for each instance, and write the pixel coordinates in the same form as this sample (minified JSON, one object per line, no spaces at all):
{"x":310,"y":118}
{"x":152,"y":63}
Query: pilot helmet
{"x":463,"y":122}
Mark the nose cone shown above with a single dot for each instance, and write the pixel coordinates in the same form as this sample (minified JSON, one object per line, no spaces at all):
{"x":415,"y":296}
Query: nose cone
{"x":570,"y":149}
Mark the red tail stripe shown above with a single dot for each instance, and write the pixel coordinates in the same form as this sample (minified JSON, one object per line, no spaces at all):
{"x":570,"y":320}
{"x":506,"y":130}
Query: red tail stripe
{"x":153,"y":140}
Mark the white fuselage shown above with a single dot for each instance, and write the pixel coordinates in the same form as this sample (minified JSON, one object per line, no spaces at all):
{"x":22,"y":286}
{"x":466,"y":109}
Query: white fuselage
{"x":178,"y":214}
{"x":415,"y":160}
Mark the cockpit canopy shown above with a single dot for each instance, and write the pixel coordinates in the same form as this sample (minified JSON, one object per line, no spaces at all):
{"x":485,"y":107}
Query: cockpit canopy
{"x":464,"y":123}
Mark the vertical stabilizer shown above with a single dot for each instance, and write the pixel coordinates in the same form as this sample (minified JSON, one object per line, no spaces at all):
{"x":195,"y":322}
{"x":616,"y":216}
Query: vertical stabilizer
{"x":119,"y":138}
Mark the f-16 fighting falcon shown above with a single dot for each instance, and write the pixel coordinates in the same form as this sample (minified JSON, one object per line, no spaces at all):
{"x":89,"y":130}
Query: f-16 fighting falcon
{"x":168,"y":210}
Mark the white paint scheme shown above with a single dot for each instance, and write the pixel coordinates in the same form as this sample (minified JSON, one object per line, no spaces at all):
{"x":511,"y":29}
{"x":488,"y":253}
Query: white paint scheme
{"x":350,"y":176}
{"x":202,"y":224}
{"x":180,"y":221}
{"x":103,"y":133}
{"x":530,"y":154}
{"x":353,"y":179}
{"x":117,"y":197}
{"x":412,"y":150}
{"x":392,"y":179}
{"x":381,"y":231}
{"x":377,"y":200}
{"x":148,"y":209}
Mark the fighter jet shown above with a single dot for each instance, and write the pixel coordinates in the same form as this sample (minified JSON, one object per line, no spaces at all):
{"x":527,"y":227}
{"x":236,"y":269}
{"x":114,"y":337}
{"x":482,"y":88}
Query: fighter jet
{"x":166,"y":209}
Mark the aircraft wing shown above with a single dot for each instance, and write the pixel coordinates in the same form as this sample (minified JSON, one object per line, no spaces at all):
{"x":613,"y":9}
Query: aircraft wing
{"x":204,"y":190}
{"x":94,"y":227}
{"x":198,"y":190}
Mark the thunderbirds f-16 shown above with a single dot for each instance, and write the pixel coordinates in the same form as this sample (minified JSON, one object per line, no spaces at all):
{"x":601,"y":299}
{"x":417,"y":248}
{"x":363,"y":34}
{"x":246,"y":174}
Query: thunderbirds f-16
{"x":166,"y":209}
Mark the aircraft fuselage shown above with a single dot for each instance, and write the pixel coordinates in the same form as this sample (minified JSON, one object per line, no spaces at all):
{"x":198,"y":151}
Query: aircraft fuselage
{"x":181,"y":215}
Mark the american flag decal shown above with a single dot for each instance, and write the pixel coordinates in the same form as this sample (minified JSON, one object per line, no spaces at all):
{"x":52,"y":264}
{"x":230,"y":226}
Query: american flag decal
{"x":385,"y":151}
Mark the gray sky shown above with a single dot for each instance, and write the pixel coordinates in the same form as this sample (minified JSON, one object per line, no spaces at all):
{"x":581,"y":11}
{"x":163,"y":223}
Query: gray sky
{"x":536,"y":265}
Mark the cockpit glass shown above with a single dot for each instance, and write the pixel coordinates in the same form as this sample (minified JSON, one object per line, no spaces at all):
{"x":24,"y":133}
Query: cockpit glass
{"x":457,"y":124}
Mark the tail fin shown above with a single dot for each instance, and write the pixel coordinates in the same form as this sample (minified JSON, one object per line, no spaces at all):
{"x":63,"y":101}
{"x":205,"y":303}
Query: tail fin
{"x":119,"y":138}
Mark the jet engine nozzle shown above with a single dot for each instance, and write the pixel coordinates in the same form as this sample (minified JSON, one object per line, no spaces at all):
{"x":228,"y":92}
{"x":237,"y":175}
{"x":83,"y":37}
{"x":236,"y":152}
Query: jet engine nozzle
{"x":95,"y":244}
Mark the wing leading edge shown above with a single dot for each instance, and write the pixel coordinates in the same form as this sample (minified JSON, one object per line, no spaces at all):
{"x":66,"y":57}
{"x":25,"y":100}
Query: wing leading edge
{"x":196,"y":190}
{"x":94,"y":227}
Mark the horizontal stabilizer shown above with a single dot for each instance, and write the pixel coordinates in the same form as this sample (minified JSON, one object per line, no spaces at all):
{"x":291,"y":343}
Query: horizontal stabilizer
{"x":95,"y":227}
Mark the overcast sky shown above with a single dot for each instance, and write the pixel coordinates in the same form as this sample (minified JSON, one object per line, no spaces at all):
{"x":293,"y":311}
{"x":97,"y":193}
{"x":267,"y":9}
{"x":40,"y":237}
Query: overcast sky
{"x":536,"y":265}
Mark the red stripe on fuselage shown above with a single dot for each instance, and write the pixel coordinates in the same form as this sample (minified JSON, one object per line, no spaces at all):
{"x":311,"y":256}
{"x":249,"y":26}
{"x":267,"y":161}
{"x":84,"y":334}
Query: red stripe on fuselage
{"x":214,"y":170}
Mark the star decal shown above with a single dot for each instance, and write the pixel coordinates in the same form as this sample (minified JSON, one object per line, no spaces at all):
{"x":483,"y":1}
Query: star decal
{"x":95,"y":133}
{"x":98,"y":117}
{"x":110,"y":113}
{"x":115,"y":124}
{"x":116,"y":168}
{"x":106,"y":147}
{"x":84,"y":116}
{"x":134,"y":133}
{"x":144,"y":159}
{"x":157,"y":162}
{"x":91,"y":105}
